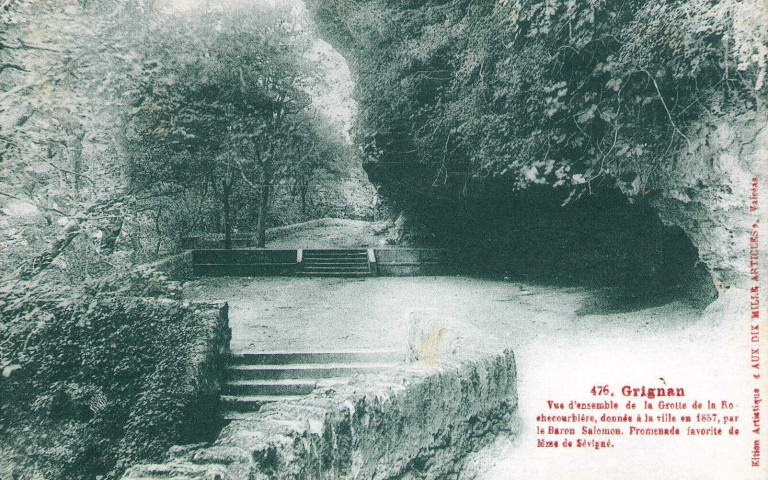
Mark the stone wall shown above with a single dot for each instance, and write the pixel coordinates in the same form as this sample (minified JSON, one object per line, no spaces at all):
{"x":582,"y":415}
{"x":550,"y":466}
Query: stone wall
{"x":418,"y":421}
{"x":412,"y":261}
{"x":245,"y":262}
{"x":176,"y":267}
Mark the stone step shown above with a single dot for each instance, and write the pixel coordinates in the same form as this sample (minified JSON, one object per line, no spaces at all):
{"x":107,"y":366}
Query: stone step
{"x":339,"y":260}
{"x":269,"y":387}
{"x":334,"y":255}
{"x":336,"y":261}
{"x":230,"y":416}
{"x":277,"y":358}
{"x":305,"y":371}
{"x":360,"y":259}
{"x":333,"y":268}
{"x":251,"y":403}
{"x":340,"y":251}
{"x":335,"y":274}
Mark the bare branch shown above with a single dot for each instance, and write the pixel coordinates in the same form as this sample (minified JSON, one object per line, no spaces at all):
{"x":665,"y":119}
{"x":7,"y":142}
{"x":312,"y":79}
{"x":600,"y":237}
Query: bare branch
{"x":5,"y":66}
{"x":20,"y":88}
{"x":71,"y":230}
{"x":72,"y":173}
{"x":25,"y":46}
{"x":26,"y":200}
{"x":664,"y":104}
{"x":242,"y":174}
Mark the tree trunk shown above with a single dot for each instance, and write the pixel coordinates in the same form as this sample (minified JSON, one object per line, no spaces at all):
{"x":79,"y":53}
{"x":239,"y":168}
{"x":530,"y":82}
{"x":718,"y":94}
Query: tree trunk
{"x":42,"y":261}
{"x":227,"y":219}
{"x":109,"y":235}
{"x":303,"y":193}
{"x":261,"y":224}
{"x":76,"y":161}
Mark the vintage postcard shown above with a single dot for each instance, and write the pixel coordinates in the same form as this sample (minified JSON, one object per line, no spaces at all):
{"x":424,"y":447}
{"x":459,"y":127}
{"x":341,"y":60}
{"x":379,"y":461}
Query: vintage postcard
{"x":383,"y":239}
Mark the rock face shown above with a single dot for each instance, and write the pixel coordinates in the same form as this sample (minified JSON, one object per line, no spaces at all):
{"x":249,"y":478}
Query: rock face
{"x":415,"y":422}
{"x":709,"y":196}
{"x":704,"y":191}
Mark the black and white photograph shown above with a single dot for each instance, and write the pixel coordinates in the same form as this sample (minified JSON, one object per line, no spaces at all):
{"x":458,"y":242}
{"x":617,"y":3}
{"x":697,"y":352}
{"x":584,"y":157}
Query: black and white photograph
{"x":383,"y":239}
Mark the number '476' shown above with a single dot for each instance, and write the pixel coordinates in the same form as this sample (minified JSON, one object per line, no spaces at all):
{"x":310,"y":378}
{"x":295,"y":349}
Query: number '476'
{"x":600,"y":390}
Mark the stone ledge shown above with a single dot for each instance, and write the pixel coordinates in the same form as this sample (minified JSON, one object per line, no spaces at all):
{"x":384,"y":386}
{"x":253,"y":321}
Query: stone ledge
{"x":417,"y":421}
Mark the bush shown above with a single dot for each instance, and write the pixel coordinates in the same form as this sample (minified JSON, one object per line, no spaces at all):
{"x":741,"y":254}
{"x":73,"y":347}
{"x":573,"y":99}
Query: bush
{"x":95,"y":385}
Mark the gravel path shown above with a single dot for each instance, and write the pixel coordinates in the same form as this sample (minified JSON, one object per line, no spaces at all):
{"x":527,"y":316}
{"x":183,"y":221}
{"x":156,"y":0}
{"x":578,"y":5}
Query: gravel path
{"x":560,"y":354}
{"x":308,"y":313}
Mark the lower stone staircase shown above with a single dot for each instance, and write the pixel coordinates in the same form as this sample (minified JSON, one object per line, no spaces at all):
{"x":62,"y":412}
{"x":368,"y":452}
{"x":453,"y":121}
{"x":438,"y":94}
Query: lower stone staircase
{"x":335,"y":263}
{"x":254,"y":379}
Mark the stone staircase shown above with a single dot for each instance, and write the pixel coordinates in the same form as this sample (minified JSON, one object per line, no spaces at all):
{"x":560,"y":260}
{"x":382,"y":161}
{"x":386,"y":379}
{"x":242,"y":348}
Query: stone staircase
{"x":335,"y":263}
{"x":254,"y":379}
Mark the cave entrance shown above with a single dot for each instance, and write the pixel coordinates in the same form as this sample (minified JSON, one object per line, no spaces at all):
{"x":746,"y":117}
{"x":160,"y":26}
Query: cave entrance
{"x":617,"y":248}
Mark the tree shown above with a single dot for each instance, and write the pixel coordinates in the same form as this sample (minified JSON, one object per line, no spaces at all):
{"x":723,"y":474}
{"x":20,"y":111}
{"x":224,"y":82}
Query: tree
{"x":230,"y":107}
{"x":530,"y":92}
{"x":59,"y":165}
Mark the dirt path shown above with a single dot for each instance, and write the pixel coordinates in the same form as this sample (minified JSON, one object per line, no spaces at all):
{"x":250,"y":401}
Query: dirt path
{"x":329,"y":233}
{"x":560,"y":354}
{"x":306,"y":313}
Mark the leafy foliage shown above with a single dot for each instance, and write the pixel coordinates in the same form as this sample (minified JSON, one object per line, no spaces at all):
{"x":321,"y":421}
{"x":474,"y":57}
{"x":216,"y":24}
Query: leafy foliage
{"x":61,"y":168}
{"x":557,"y":92}
{"x":126,"y":125}
{"x":222,"y":109}
{"x":100,"y":384}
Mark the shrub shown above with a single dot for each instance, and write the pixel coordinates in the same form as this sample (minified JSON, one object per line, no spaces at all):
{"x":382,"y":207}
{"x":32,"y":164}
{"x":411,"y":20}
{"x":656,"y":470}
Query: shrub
{"x":99,"y":384}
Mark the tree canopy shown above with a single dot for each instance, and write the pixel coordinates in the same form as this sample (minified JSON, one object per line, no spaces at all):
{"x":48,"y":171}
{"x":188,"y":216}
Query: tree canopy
{"x":127,"y":121}
{"x":222,"y":101}
{"x":558,"y":92}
